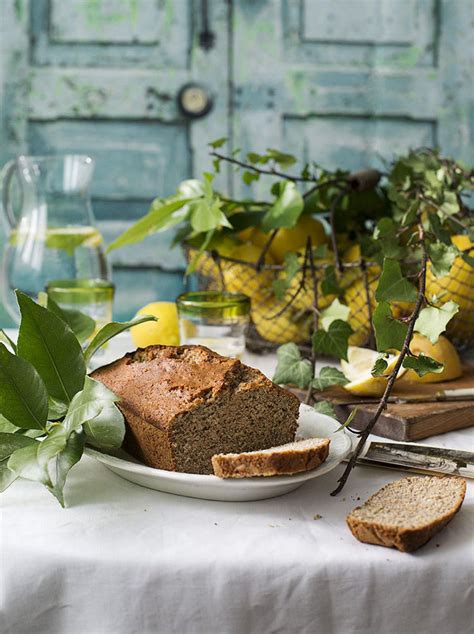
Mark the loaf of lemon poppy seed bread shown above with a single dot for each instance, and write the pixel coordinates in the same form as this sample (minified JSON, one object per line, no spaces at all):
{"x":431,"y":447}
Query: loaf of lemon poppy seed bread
{"x":184,"y":404}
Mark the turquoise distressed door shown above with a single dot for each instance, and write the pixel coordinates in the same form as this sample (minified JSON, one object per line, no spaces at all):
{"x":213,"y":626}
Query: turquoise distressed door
{"x":349,"y":82}
{"x":342,"y":82}
{"x":102,"y":77}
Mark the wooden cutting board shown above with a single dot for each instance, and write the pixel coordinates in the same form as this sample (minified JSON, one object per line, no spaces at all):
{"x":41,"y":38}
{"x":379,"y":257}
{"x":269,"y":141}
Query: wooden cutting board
{"x":409,"y":421}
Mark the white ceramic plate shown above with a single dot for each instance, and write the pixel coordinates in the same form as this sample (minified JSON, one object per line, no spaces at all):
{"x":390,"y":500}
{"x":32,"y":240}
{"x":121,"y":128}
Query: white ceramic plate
{"x":209,"y":487}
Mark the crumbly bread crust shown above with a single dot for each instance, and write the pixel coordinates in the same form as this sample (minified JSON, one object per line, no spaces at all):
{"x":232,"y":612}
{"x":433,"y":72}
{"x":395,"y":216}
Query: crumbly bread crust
{"x":183,"y":404}
{"x":405,"y":514}
{"x":295,"y":457}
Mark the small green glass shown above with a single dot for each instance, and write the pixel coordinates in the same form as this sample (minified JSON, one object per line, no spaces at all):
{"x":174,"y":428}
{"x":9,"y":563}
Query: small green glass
{"x":92,"y":297}
{"x":214,"y":319}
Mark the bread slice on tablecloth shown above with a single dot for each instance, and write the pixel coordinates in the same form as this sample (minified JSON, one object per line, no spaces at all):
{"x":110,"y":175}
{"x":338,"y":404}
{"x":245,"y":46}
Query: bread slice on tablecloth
{"x":293,"y":457}
{"x":405,"y":514}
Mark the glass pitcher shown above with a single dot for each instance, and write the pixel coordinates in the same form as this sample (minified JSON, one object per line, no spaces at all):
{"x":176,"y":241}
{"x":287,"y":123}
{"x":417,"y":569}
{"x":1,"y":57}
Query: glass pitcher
{"x":53,"y":234}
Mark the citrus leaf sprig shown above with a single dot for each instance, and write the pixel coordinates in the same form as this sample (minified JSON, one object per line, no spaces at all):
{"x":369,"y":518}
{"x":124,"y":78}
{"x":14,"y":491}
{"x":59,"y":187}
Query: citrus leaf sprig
{"x":49,"y":407}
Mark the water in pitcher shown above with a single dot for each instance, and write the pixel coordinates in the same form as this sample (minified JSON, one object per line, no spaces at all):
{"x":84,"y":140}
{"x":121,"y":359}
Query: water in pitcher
{"x":52,"y":234}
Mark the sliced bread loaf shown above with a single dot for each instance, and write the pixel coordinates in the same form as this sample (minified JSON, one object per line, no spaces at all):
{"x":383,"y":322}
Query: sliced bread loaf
{"x":406,"y":513}
{"x":293,"y":457}
{"x":184,"y":404}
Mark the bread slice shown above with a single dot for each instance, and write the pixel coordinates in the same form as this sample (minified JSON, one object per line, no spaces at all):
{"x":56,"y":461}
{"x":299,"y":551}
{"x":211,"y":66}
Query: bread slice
{"x":293,"y":457}
{"x":405,"y":514}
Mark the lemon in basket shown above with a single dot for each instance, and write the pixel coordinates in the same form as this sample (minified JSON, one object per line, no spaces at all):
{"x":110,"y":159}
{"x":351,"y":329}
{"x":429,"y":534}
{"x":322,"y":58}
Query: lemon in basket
{"x":457,"y":286}
{"x":165,"y":331}
{"x":287,"y":240}
{"x":291,"y":325}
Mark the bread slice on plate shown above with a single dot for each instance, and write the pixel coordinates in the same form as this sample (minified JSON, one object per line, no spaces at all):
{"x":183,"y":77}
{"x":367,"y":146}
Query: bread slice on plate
{"x":293,"y":457}
{"x":405,"y":514}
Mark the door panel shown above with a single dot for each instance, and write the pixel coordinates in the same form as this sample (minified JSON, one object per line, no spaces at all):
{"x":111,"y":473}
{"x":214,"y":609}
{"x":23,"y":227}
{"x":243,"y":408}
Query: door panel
{"x":102,"y":78}
{"x":349,"y":82}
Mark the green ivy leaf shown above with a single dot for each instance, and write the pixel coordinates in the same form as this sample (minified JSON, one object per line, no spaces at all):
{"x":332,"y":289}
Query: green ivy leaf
{"x":286,"y":210}
{"x":422,"y":364}
{"x":326,"y":408}
{"x":291,"y":368}
{"x":432,"y":321}
{"x":160,"y":217}
{"x":392,"y":285}
{"x":442,"y":258}
{"x":335,"y":311}
{"x":112,"y":329}
{"x":48,"y":343}
{"x":334,"y":341}
{"x":218,"y":142}
{"x":330,"y":284}
{"x":329,"y":376}
{"x":380,"y":366}
{"x":389,"y":333}
{"x":23,"y":396}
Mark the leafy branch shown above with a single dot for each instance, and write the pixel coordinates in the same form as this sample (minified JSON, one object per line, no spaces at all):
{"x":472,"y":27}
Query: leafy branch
{"x":393,"y":375}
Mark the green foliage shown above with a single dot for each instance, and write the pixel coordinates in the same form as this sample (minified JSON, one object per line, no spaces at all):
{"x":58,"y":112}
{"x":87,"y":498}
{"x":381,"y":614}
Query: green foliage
{"x":326,"y":408}
{"x":49,"y":409}
{"x":282,"y":284}
{"x":422,"y":364}
{"x":432,"y":321}
{"x":81,"y":324}
{"x":393,"y":285}
{"x":47,"y":342}
{"x":330,"y":283}
{"x":334,"y":311}
{"x":286,"y":209}
{"x":291,"y":368}
{"x":348,"y":420}
{"x":333,"y":341}
{"x":23,"y":396}
{"x":380,"y":366}
{"x":111,"y":330}
{"x":329,"y":376}
{"x":442,"y":258}
{"x":389,"y":332}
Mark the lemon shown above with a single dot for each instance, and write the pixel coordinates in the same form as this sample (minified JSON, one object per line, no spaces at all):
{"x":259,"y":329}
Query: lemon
{"x":361,"y":360}
{"x":442,"y":351}
{"x":289,"y":326}
{"x":241,"y":278}
{"x":287,"y":240}
{"x":305,"y":297}
{"x":165,"y":331}
{"x":255,"y":236}
{"x":356,"y":298}
{"x":367,"y":386}
{"x":457,"y":286}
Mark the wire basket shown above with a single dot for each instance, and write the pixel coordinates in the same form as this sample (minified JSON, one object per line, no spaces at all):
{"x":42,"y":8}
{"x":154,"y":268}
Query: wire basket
{"x":292,"y":319}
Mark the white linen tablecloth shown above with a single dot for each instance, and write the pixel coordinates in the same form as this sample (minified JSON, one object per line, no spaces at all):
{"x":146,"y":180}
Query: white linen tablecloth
{"x":122,"y":559}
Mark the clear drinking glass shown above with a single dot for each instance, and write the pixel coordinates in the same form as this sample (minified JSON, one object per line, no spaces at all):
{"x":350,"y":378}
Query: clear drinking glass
{"x":52,"y":235}
{"x":92,"y":297}
{"x":214,"y":319}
